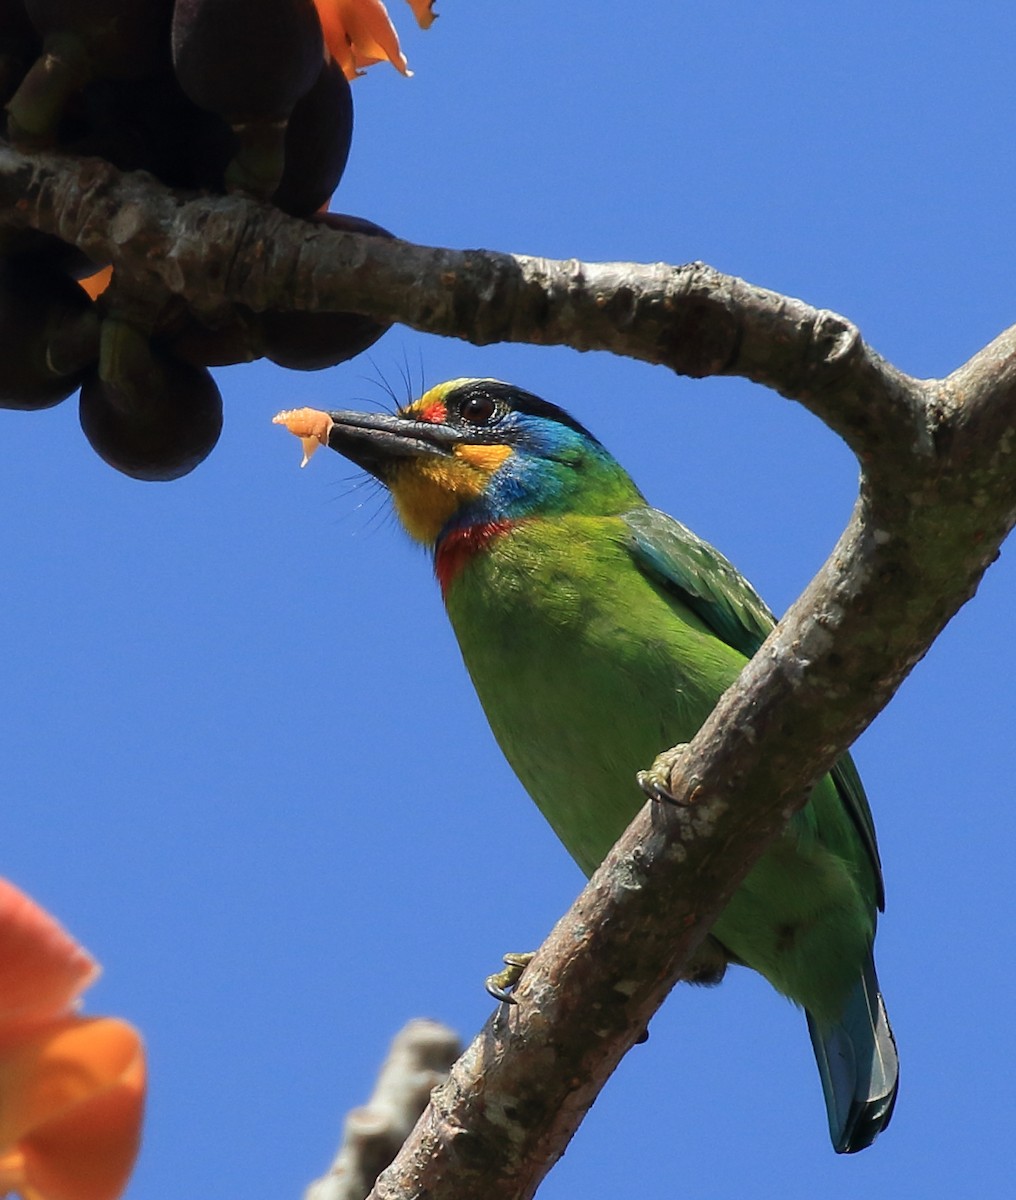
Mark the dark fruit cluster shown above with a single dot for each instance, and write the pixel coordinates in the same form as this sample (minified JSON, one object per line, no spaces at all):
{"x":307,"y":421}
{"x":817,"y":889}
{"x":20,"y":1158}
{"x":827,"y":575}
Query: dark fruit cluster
{"x":219,"y":95}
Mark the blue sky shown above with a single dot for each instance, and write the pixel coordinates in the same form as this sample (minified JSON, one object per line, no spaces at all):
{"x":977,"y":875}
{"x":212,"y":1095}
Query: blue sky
{"x":241,"y":758}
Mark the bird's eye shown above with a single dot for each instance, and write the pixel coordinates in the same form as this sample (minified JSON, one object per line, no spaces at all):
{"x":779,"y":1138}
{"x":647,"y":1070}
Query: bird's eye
{"x":477,"y":410}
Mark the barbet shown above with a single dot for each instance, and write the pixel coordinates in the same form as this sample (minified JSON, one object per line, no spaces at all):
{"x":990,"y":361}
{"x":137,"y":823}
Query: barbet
{"x":597,"y":631}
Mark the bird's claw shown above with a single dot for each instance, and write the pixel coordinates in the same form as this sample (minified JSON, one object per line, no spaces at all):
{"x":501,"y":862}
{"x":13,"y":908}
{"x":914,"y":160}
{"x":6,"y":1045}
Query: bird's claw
{"x":502,"y":984}
{"x":656,"y":781}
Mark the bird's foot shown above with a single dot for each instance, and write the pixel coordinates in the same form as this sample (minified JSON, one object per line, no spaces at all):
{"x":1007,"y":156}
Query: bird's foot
{"x":656,"y":781}
{"x":503,"y":983}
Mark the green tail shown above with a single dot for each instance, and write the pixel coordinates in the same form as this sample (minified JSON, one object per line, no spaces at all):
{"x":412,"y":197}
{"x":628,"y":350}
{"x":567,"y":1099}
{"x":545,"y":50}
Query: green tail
{"x":858,"y":1065}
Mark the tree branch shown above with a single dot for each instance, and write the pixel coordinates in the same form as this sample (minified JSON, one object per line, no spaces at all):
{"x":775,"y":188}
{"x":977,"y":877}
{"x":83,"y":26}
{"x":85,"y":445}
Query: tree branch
{"x":420,"y":1057}
{"x":215,"y":251}
{"x":828,"y":668}
{"x":514,"y":1100}
{"x":937,"y":497}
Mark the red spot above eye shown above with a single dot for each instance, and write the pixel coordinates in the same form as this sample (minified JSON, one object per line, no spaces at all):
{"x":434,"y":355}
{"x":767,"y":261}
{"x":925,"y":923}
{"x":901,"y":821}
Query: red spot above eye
{"x":435,"y":412}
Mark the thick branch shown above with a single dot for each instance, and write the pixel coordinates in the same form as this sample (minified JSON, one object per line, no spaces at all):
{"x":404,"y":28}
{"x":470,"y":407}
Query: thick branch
{"x":419,"y":1059}
{"x":938,"y":495}
{"x":514,"y":1100}
{"x":219,"y":250}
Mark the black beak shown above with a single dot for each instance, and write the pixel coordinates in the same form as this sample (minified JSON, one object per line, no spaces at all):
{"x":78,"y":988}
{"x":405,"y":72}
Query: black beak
{"x":375,"y":440}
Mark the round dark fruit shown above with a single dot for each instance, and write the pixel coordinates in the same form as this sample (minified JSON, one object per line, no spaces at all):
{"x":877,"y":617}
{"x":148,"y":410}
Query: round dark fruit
{"x":318,"y":138}
{"x":146,"y":413}
{"x":249,"y":61}
{"x":49,"y":335}
{"x":83,"y":40}
{"x":311,"y":341}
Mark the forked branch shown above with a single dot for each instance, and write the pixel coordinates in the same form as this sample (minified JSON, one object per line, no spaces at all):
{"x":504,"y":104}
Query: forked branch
{"x":937,"y":497}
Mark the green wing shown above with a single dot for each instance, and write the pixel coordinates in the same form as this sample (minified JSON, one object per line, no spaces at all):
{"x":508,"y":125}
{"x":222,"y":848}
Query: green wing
{"x":713,"y":588}
{"x":701,"y":577}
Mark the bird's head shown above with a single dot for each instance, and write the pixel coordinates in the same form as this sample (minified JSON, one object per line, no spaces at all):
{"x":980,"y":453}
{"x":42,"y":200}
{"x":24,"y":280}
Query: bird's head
{"x":479,"y":452}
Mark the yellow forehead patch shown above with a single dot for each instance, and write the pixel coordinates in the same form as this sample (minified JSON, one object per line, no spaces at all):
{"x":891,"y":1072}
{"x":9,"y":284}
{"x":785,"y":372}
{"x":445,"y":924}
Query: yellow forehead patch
{"x":428,"y":492}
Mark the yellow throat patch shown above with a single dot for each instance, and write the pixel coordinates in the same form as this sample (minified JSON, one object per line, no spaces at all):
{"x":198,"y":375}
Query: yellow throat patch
{"x":428,"y":492}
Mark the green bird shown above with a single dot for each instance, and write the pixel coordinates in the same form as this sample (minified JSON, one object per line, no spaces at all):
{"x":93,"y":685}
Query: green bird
{"x":597,"y":631}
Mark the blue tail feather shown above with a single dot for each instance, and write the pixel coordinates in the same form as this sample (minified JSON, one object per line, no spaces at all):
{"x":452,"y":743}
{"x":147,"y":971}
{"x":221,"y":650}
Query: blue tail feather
{"x":859,"y":1067}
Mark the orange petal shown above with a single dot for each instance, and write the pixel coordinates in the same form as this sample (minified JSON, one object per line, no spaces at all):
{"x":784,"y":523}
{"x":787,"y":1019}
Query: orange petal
{"x":422,"y":10}
{"x":358,"y":33}
{"x":71,"y":1101}
{"x":96,"y":283}
{"x":42,"y":968}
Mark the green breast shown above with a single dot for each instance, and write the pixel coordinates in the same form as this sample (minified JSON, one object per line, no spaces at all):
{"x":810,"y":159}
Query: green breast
{"x":586,"y":670}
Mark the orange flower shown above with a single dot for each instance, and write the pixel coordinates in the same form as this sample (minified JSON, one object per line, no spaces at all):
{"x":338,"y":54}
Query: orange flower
{"x":96,"y":283}
{"x":360,"y":32}
{"x":71,"y":1088}
{"x":422,"y":11}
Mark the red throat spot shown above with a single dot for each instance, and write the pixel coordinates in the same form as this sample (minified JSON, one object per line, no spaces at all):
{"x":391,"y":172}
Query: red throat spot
{"x":460,"y":545}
